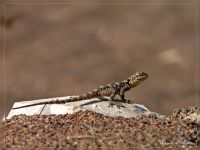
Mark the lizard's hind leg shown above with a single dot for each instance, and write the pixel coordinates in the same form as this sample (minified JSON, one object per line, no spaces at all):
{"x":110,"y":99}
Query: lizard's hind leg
{"x":111,"y":103}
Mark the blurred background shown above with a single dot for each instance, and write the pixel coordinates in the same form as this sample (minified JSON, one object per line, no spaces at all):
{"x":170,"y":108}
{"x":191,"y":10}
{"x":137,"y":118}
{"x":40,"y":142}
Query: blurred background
{"x":54,"y":50}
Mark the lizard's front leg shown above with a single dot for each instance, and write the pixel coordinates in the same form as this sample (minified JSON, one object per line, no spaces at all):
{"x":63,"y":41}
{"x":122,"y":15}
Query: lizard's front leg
{"x":111,"y":103}
{"x":122,"y":96}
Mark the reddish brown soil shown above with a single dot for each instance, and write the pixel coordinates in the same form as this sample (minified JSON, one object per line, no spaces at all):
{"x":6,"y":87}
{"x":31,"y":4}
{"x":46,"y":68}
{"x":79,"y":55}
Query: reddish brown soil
{"x":84,"y":130}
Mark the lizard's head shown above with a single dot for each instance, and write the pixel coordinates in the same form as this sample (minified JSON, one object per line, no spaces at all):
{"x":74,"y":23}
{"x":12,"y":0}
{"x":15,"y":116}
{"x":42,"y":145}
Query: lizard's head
{"x":137,"y":78}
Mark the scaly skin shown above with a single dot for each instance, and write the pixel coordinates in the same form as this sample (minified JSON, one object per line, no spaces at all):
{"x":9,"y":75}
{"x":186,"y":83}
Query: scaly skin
{"x":111,"y":90}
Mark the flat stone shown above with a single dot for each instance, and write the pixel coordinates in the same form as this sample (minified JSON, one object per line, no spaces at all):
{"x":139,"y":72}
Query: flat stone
{"x":95,"y":105}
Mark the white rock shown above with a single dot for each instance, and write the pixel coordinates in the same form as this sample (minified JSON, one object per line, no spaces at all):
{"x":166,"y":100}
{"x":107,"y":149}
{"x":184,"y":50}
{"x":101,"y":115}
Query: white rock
{"x":95,"y":105}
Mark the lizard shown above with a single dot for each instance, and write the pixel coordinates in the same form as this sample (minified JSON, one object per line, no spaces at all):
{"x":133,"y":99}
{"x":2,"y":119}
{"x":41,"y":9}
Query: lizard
{"x":111,"y":90}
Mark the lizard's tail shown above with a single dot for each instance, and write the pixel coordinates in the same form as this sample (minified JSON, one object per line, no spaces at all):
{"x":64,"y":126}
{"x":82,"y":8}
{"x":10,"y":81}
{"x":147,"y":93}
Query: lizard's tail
{"x":85,"y":96}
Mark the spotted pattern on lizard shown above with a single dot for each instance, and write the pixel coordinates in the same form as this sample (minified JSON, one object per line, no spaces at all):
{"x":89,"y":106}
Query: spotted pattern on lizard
{"x":110,"y":90}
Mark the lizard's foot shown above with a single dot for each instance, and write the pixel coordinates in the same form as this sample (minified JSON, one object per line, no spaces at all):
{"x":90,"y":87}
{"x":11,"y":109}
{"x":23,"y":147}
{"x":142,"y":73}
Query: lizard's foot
{"x":111,"y":104}
{"x":118,"y":104}
{"x":127,"y":101}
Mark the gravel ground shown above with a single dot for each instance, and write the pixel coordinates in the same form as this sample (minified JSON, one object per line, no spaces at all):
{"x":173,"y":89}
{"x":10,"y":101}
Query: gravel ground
{"x":84,"y":130}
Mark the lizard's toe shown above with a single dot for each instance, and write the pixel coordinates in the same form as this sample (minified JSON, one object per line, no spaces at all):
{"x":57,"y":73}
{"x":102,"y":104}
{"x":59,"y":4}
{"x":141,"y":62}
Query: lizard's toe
{"x":118,"y":104}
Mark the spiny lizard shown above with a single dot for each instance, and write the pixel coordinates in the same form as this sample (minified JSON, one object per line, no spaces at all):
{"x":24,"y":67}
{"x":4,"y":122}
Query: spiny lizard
{"x":111,"y":90}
